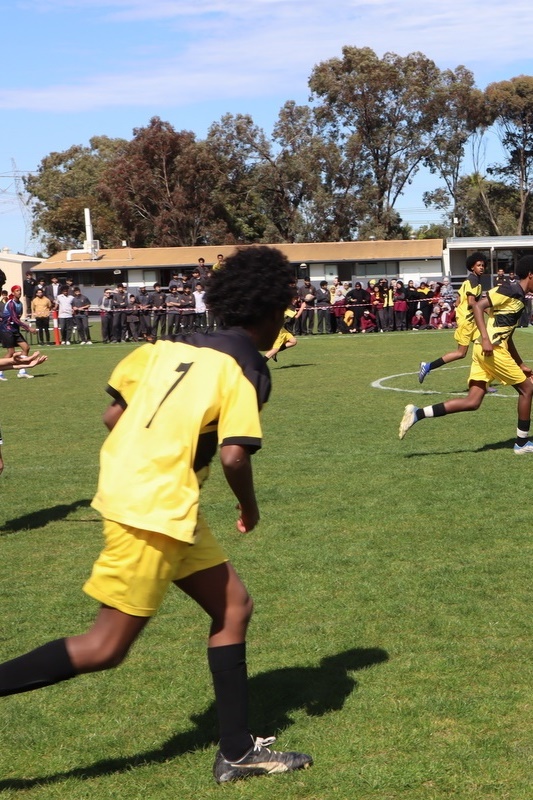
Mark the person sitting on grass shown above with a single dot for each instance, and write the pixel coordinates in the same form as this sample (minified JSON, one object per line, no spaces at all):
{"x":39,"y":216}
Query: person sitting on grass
{"x":172,"y":402}
{"x":466,"y":332}
{"x":495,"y":357}
{"x":368,"y":322}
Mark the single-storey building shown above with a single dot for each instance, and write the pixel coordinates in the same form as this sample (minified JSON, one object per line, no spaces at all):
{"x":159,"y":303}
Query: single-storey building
{"x":502,"y":252}
{"x":92,"y":271}
{"x":15,"y":266}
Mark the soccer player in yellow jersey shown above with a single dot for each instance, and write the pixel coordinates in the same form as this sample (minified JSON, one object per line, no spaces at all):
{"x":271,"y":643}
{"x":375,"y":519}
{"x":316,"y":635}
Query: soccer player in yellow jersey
{"x":172,"y":404}
{"x":495,"y":357}
{"x":285,"y":337}
{"x":466,"y":331}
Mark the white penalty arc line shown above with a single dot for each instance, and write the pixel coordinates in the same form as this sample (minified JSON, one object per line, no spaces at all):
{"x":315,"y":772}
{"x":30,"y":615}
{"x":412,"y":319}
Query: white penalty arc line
{"x":379,"y":384}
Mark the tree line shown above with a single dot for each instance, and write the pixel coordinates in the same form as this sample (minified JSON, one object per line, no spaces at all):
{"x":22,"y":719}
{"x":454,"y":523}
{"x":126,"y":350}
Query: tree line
{"x":331,"y":170}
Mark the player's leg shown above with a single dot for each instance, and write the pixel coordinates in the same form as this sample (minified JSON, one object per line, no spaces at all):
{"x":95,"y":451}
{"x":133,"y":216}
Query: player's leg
{"x":6,"y":340}
{"x":24,"y":346}
{"x":412,"y":414}
{"x":210,"y":580}
{"x":103,"y":646}
{"x":525,"y":394}
{"x":223,"y":596}
{"x":427,"y":366}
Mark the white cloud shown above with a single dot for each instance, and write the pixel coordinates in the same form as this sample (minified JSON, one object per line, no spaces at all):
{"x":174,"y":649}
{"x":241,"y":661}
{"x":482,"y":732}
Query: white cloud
{"x":220,"y":49}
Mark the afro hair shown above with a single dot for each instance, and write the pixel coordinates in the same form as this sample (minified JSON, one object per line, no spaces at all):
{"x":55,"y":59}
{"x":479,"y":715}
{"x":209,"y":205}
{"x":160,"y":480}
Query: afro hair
{"x":253,"y":283}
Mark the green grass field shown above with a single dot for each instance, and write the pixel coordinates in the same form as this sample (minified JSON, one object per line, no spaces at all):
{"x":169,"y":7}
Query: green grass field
{"x":392,"y":637}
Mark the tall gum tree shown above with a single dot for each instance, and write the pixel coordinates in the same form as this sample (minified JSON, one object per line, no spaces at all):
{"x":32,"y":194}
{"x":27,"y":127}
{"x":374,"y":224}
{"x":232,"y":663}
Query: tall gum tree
{"x":510,"y":105}
{"x":380,"y":109}
{"x":66,"y":183}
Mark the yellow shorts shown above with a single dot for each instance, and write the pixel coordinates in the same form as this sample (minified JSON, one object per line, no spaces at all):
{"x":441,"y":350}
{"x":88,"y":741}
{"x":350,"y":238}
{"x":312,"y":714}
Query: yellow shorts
{"x":500,"y":365}
{"x":136,"y":567}
{"x":466,"y":333}
{"x":283,"y":337}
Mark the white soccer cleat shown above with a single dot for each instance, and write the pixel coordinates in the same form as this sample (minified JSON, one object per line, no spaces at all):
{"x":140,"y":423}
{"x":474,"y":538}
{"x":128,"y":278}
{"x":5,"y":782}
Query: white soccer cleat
{"x":408,"y":419}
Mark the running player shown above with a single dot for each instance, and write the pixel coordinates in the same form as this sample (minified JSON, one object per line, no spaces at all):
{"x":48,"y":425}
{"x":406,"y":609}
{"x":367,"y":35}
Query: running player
{"x":466,"y":331}
{"x":10,"y":325}
{"x":285,"y":337}
{"x":172,"y":403}
{"x":494,"y":357}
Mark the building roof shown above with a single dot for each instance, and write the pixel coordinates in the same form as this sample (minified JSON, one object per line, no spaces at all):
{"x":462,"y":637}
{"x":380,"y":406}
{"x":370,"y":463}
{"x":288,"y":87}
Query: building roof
{"x":18,"y":258}
{"x":486,"y":242}
{"x":151,"y":257}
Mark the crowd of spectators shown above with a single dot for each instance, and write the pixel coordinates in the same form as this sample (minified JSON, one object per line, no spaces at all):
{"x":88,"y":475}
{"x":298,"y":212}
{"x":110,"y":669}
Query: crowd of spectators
{"x":147,"y":314}
{"x":144,"y":314}
{"x":381,"y":306}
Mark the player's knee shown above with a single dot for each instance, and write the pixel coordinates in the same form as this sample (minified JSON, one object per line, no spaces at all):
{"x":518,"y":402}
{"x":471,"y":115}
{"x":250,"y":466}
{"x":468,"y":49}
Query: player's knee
{"x":473,"y":403}
{"x":92,"y":654}
{"x":238,"y":614}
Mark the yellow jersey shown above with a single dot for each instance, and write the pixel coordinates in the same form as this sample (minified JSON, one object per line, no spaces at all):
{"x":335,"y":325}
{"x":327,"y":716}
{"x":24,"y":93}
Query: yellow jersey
{"x":180,"y":399}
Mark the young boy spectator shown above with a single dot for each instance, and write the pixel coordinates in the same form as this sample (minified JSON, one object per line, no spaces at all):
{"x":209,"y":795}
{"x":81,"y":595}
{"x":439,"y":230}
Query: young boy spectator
{"x":80,"y":308}
{"x":171,"y":403}
{"x":41,"y":308}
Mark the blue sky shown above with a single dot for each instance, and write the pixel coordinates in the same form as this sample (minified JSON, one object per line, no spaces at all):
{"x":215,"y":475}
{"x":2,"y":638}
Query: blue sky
{"x":71,"y":69}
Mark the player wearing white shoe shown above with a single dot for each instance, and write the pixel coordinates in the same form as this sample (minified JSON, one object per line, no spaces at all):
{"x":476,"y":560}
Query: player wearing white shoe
{"x":495,"y":357}
{"x":10,"y":328}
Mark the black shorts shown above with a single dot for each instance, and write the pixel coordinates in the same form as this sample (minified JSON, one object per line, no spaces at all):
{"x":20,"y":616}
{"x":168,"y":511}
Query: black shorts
{"x":10,"y":339}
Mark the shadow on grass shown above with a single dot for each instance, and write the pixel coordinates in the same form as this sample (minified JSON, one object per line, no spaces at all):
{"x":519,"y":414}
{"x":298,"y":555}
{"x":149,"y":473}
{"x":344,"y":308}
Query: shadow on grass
{"x":294,"y":366}
{"x":274,"y":694}
{"x":40,"y":518}
{"x":505,"y":445}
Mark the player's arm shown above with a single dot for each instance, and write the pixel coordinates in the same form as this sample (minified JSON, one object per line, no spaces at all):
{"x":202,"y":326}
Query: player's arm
{"x":111,"y":415}
{"x":19,"y":360}
{"x":237,"y":467}
{"x":479,"y":307}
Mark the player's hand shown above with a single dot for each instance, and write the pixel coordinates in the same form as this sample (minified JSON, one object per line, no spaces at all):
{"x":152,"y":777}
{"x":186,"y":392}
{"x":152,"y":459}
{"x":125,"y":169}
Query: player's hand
{"x":526,"y":370}
{"x":486,"y":346}
{"x":21,"y":360}
{"x":247,"y":519}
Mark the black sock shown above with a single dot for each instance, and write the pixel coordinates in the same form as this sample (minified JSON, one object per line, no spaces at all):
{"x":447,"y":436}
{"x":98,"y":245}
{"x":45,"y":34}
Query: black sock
{"x":44,"y":666}
{"x":436,"y":364}
{"x":522,"y":432}
{"x":438,"y":410}
{"x":230,"y":680}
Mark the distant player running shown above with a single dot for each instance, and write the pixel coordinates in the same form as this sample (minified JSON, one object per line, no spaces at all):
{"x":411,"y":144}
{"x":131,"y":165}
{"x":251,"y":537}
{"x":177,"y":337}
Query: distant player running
{"x":285,"y":337}
{"x":467,"y":331}
{"x":494,"y":357}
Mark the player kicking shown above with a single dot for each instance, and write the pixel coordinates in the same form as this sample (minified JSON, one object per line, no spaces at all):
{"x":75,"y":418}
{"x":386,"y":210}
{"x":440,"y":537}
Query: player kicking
{"x":466,"y":331}
{"x":173,"y":402}
{"x":495,"y":357}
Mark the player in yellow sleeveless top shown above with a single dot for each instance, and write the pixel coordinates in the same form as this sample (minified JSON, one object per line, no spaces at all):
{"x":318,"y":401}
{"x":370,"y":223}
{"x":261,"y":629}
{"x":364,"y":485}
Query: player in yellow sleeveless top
{"x":495,"y":357}
{"x":173,"y":404}
{"x":466,"y":331}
